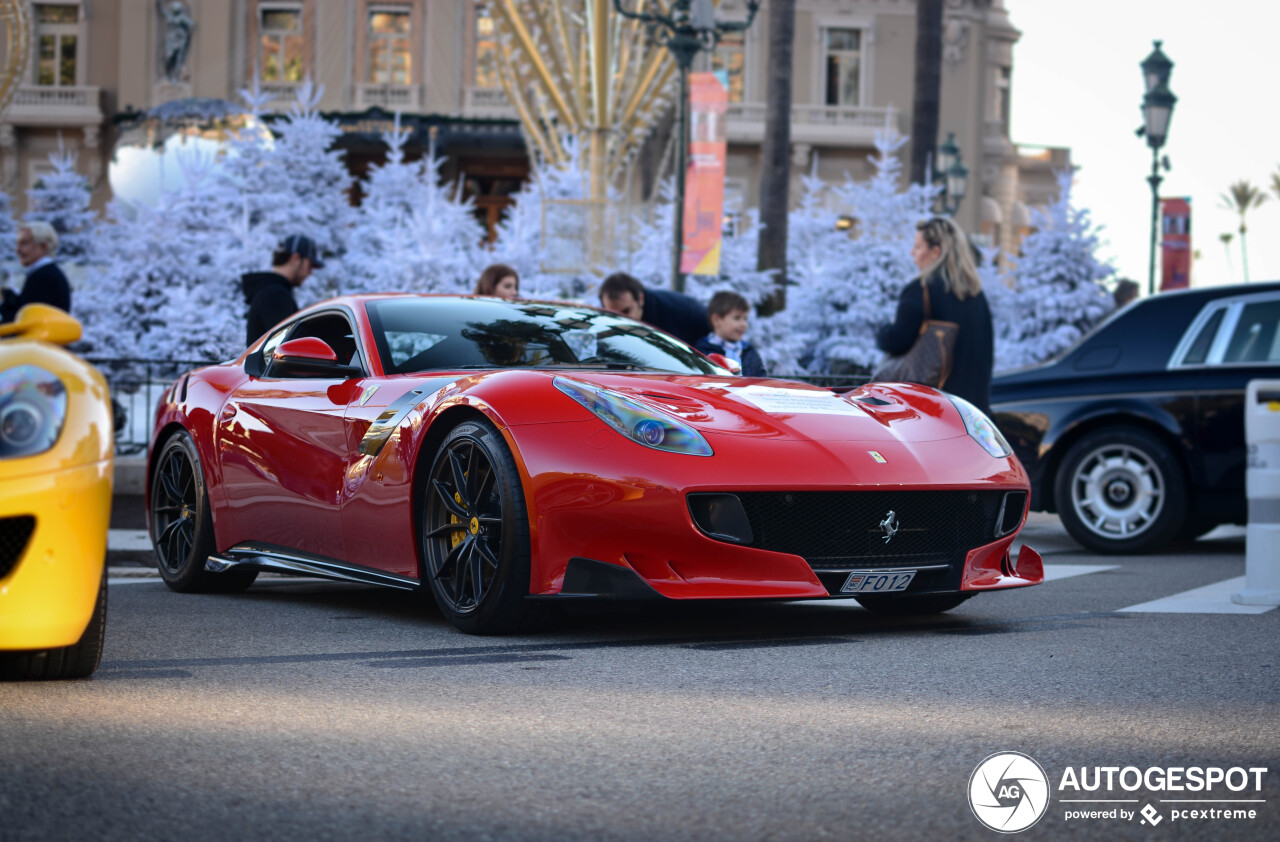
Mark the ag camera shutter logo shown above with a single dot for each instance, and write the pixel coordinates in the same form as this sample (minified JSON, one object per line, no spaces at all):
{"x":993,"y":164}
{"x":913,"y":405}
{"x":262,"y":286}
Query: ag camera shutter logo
{"x":1008,"y":792}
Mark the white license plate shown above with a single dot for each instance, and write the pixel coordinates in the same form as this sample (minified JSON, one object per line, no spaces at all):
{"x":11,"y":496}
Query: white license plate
{"x":860,"y":581}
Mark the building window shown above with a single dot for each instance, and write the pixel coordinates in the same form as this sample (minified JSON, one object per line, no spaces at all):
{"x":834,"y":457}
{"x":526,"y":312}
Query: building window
{"x":843,"y":78}
{"x":486,"y":66}
{"x":1000,"y":102}
{"x":390,"y":59}
{"x":280,"y":42}
{"x":730,"y":57}
{"x":57,"y":31}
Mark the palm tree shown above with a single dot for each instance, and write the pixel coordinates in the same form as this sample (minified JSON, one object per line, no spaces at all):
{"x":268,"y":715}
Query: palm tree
{"x":1241,"y":198}
{"x":775,"y":177}
{"x":1227,"y":237}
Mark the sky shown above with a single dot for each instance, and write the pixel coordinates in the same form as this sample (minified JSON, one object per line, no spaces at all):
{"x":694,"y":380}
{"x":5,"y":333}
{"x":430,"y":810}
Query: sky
{"x":1077,"y":83}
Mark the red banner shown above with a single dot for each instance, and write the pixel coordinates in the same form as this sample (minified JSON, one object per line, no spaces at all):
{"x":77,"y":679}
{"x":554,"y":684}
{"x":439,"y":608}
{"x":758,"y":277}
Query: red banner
{"x":704,"y":185}
{"x":1175,"y":243}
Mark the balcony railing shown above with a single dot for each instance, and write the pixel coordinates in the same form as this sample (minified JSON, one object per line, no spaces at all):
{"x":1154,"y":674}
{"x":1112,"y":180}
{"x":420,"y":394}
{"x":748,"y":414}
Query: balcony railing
{"x":389,"y":97}
{"x":840,"y":125}
{"x":486,"y":102}
{"x":49,"y":105}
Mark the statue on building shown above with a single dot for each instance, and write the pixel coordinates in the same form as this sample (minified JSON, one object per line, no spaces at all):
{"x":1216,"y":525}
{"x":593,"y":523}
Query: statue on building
{"x":176,"y":38}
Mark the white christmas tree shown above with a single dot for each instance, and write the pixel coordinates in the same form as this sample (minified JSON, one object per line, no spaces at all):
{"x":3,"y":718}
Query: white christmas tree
{"x":847,"y":282}
{"x":1060,"y":290}
{"x":9,"y":265}
{"x":413,"y":233}
{"x":168,"y":288}
{"x":313,"y":177}
{"x":61,"y":198}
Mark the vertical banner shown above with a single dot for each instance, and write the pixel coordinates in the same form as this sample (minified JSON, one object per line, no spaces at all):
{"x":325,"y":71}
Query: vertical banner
{"x":1175,"y":243}
{"x":704,"y":185}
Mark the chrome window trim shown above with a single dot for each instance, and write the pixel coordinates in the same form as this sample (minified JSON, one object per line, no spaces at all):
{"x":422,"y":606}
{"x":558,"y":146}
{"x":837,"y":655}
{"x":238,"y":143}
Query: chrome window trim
{"x":1234,"y":307}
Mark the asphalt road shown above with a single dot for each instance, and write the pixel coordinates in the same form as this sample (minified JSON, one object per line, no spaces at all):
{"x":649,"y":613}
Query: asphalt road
{"x":311,"y":710}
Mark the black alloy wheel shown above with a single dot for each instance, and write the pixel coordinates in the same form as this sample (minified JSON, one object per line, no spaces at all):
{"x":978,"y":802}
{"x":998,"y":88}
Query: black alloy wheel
{"x":476,"y":533}
{"x":182,"y":525}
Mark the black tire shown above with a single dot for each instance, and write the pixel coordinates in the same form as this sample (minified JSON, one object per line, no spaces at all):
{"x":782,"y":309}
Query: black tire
{"x":475,"y":534}
{"x":78,"y":660}
{"x":908,"y":604}
{"x":1121,"y":491}
{"x":1196,"y":527}
{"x":182,"y":525}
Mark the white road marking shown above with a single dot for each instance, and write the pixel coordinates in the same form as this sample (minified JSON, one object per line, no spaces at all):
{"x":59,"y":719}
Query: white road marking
{"x":128,"y":540}
{"x":1066,"y":571}
{"x":1211,"y":599}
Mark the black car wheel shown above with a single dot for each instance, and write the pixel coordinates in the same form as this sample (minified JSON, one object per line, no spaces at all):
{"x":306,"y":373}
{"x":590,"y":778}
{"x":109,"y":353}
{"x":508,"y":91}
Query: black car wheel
{"x":182,"y":525}
{"x":1121,"y":490}
{"x":475,"y":533}
{"x":908,"y":604}
{"x":78,"y":660}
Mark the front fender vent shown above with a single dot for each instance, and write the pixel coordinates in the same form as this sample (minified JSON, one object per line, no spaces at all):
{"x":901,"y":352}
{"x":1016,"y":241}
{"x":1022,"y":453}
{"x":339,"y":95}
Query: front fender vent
{"x":15,"y":533}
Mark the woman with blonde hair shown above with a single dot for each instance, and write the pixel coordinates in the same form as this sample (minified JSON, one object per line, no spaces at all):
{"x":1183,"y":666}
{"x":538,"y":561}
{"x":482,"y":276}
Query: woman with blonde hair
{"x":945,"y":259}
{"x":499,"y":279}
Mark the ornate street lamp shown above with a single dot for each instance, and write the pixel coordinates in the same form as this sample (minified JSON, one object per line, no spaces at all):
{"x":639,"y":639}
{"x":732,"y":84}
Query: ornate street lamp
{"x":689,"y":26}
{"x":952,"y":175}
{"x":1157,"y":110}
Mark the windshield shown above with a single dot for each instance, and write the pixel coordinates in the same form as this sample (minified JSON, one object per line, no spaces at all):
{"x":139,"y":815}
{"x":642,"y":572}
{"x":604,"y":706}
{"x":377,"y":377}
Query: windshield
{"x":425,"y":334}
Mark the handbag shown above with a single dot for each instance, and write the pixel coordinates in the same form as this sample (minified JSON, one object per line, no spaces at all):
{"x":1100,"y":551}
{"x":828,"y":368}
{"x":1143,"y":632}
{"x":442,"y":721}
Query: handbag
{"x":929,"y":359}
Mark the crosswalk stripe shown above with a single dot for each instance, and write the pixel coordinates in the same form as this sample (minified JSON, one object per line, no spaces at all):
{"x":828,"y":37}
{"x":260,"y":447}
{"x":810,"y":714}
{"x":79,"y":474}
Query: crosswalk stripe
{"x":128,"y":540}
{"x":1066,"y":571}
{"x":1210,"y":599}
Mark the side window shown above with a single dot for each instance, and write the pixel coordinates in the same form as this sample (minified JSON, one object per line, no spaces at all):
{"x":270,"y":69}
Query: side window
{"x":1199,"y":351}
{"x":335,"y":331}
{"x":1256,"y":338}
{"x":273,"y":342}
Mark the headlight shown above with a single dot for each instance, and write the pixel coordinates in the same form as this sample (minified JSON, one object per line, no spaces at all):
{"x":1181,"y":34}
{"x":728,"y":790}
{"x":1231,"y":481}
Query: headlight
{"x":982,"y":429}
{"x":637,"y":422}
{"x":33,"y":407}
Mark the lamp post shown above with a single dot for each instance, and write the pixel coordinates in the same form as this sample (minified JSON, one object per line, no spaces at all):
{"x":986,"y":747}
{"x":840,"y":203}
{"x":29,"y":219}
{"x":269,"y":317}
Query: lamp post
{"x":952,"y":175}
{"x":689,"y":26}
{"x":1157,"y":110}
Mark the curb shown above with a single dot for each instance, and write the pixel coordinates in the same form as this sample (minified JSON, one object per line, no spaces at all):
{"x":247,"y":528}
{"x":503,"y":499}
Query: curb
{"x":130,"y":475}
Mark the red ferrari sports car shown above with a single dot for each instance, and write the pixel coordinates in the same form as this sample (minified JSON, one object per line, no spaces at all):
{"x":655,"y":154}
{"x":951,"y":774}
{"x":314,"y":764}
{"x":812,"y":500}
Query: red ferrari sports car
{"x":506,"y":455}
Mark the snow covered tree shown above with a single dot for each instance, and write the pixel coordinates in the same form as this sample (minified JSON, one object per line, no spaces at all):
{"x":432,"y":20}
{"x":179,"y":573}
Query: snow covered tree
{"x":847,"y":282}
{"x":169,"y":286}
{"x":412,"y":232}
{"x":1060,"y":289}
{"x":61,"y":198}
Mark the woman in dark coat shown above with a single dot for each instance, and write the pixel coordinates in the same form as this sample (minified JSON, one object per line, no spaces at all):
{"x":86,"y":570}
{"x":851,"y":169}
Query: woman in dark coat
{"x":945,"y":260}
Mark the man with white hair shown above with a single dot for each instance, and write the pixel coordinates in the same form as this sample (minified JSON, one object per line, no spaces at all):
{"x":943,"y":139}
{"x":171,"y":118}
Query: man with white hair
{"x":45,"y":283}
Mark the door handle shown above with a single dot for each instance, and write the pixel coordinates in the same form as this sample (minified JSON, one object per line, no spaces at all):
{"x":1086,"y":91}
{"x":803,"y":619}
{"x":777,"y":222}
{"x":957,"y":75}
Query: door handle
{"x":228,"y":411}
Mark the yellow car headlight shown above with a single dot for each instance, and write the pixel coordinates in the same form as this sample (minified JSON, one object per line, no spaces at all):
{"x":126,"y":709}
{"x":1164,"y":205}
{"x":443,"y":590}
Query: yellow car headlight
{"x":33,"y":407}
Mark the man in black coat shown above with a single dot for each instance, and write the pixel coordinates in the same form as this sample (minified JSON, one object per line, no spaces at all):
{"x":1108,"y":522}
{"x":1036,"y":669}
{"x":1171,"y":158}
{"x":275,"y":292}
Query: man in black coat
{"x":680,"y":315}
{"x":45,"y":283}
{"x":270,"y":294}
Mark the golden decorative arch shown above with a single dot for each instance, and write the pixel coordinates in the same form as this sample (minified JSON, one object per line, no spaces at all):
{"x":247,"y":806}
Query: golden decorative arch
{"x":15,"y":40}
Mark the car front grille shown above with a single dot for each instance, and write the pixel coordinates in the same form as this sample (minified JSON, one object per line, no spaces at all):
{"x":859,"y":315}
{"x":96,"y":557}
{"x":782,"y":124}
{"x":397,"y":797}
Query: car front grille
{"x":844,"y":529}
{"x":15,"y":532}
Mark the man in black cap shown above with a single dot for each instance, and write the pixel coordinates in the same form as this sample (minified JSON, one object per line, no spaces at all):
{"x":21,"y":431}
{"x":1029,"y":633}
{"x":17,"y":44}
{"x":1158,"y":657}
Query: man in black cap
{"x":270,"y":294}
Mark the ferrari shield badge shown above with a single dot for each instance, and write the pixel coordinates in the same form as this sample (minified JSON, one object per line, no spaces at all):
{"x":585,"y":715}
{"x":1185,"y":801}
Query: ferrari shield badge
{"x":875,"y":454}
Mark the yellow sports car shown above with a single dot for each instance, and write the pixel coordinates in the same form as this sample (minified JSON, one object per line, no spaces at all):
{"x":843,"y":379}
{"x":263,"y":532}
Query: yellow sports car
{"x":55,"y":500}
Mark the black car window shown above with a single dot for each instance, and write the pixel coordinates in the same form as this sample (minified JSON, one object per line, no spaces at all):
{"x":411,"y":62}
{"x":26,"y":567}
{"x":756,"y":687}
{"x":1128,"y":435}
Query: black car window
{"x":1199,"y":350}
{"x":424,"y":334}
{"x":1256,"y":338}
{"x":334,"y":329}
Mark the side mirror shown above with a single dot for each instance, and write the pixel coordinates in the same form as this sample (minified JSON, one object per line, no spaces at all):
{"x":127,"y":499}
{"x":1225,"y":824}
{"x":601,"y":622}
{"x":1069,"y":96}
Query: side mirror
{"x":43,"y":322}
{"x":724,"y":362}
{"x":310,"y":356}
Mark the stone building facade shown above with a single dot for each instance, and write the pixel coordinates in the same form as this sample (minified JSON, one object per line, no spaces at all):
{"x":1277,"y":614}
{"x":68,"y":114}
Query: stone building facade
{"x":95,"y":64}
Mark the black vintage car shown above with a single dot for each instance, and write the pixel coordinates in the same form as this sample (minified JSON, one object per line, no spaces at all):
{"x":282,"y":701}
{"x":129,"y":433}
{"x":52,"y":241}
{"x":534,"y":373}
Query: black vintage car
{"x":1135,"y":436}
